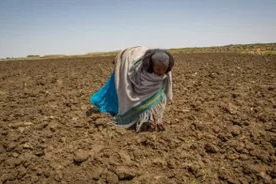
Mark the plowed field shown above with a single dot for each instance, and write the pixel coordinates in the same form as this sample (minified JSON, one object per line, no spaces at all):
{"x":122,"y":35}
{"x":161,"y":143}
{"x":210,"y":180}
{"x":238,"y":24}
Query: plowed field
{"x":220,"y":127}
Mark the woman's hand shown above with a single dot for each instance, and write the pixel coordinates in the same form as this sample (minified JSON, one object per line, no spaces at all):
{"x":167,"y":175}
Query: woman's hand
{"x":155,"y":125}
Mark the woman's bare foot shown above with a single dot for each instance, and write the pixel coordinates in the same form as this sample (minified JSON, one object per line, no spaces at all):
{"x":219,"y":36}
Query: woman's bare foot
{"x":92,"y":110}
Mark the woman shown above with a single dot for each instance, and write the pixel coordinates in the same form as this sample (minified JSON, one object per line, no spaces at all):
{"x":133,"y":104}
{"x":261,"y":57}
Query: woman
{"x":137,"y":91}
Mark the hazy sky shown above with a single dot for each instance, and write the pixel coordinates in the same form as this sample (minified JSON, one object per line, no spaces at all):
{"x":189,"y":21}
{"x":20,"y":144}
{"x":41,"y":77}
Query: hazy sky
{"x":42,"y":27}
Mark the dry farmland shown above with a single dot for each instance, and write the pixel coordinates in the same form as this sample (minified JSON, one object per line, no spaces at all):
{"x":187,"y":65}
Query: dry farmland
{"x":220,"y":128}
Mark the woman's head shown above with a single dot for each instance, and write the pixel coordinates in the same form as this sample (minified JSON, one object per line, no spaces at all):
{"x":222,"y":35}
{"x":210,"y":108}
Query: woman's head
{"x":158,"y":61}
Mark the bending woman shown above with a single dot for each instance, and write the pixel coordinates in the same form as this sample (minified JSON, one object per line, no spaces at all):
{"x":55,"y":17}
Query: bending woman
{"x":138,"y":89}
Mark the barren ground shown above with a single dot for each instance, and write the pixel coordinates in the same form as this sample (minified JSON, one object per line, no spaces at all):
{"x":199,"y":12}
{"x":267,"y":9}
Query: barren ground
{"x":220,"y":128}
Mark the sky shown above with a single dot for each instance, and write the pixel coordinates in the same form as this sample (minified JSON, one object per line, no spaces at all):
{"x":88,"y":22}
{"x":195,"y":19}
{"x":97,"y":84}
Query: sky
{"x":71,"y":27}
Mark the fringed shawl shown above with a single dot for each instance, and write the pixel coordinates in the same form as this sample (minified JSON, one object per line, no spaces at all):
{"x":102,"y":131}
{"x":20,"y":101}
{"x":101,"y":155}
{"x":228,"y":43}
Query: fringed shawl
{"x":141,"y":95}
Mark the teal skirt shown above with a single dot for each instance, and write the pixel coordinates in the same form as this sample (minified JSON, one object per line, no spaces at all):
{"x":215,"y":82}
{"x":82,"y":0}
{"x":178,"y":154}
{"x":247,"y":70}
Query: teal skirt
{"x":106,"y":99}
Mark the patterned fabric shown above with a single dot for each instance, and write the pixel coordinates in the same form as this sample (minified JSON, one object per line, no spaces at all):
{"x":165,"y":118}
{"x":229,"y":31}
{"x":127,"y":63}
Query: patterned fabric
{"x":134,"y":112}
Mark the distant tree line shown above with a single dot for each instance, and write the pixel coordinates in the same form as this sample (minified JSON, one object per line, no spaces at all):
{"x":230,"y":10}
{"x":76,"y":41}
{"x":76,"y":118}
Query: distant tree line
{"x":33,"y":56}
